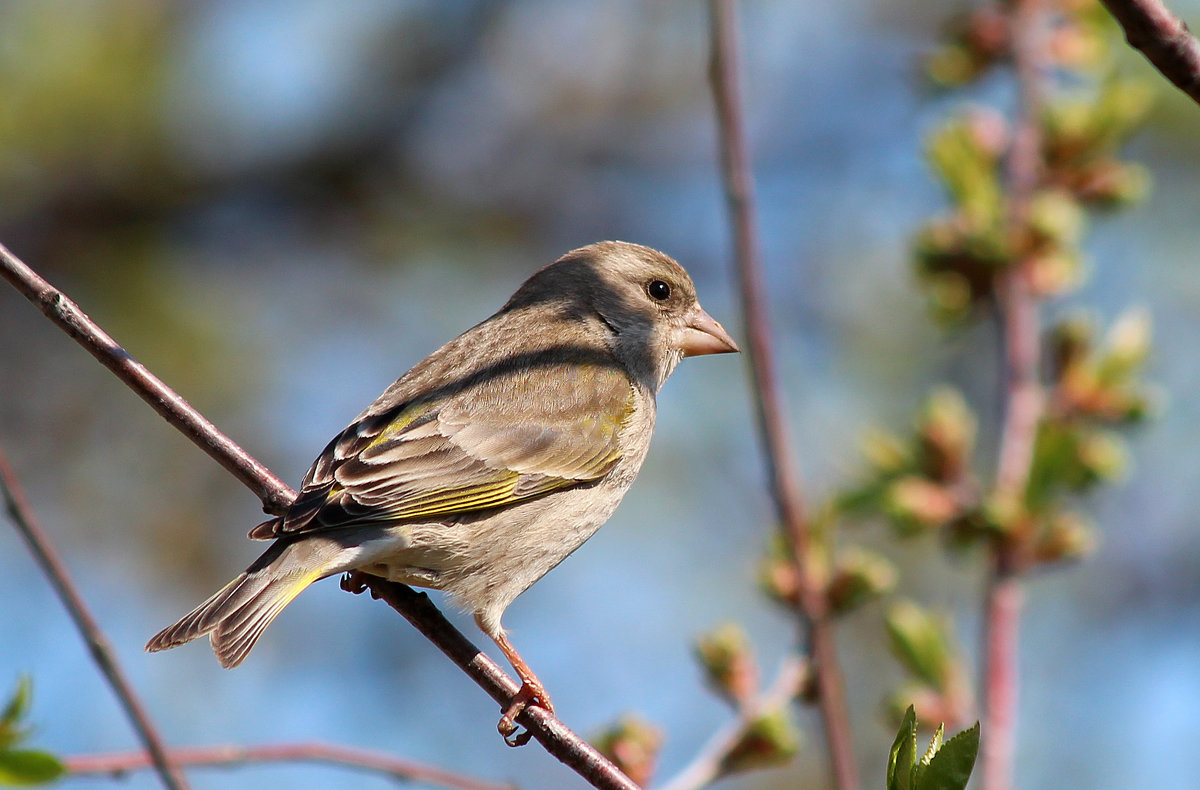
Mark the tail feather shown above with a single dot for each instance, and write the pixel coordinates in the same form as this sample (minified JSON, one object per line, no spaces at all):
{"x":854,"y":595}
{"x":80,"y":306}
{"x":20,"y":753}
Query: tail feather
{"x":233,"y":637}
{"x":197,"y":622}
{"x":235,"y":616}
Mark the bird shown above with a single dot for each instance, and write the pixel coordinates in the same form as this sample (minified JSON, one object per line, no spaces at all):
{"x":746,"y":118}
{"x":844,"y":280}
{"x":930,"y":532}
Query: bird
{"x":490,"y":461}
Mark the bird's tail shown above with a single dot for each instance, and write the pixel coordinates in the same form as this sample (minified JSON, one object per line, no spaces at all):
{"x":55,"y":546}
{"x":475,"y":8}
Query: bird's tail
{"x":236,"y":615}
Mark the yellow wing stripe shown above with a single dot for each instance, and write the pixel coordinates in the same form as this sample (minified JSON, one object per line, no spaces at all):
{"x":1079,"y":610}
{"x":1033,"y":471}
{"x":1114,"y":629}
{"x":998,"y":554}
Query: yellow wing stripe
{"x":476,"y":498}
{"x":399,"y":424}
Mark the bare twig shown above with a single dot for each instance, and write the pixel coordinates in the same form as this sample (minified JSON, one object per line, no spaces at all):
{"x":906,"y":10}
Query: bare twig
{"x":558,"y":739}
{"x":273,"y":492}
{"x":231,"y":755}
{"x":784,"y":477}
{"x":1163,"y":38}
{"x":705,"y":768}
{"x":1002,"y":617}
{"x":1021,"y":335}
{"x":21,"y":514}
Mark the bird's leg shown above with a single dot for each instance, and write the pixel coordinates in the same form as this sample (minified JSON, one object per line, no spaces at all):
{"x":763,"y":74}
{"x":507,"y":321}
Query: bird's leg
{"x":532,"y":692}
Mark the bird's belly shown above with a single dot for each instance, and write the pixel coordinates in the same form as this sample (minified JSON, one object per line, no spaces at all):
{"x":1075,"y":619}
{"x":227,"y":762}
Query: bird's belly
{"x":485,"y":560}
{"x":406,"y":574}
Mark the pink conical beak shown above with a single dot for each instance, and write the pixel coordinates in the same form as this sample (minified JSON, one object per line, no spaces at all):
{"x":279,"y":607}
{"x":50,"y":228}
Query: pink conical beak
{"x":703,"y":335}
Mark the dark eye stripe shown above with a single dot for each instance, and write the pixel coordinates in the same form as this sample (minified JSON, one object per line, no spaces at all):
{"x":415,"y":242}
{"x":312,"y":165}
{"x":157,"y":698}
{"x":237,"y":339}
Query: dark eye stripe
{"x":658,"y":290}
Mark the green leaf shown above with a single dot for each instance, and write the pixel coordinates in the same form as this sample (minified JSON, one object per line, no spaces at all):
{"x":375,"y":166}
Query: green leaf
{"x":1065,"y":535}
{"x":935,"y":743}
{"x":965,"y":154}
{"x":1073,"y":457}
{"x":728,"y":662}
{"x":1127,"y":347}
{"x":945,"y":434}
{"x":859,"y":576}
{"x":919,"y":640}
{"x":633,"y":745}
{"x":769,"y":740}
{"x":11,"y":732}
{"x":950,"y":767}
{"x":19,"y":704}
{"x":1055,"y":216}
{"x":904,"y":753}
{"x":25,"y":768}
{"x":916,"y":504}
{"x":944,"y":766}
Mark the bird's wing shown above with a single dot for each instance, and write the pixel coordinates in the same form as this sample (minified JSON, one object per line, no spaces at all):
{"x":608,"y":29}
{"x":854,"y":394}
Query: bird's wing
{"x":516,"y":435}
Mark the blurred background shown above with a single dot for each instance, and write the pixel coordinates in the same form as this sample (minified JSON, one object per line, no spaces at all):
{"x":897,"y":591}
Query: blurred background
{"x":281,"y":206}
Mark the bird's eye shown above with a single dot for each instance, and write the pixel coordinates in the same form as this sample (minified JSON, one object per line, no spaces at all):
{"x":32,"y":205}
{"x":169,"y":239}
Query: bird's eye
{"x":658,"y":290}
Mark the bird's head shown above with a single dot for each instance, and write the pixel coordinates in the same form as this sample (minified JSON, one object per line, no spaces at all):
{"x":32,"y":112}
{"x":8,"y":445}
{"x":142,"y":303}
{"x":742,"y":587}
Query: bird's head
{"x":643,"y":301}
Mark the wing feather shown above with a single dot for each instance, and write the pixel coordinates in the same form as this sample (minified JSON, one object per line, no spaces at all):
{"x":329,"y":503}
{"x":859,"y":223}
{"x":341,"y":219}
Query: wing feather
{"x":518,"y":434}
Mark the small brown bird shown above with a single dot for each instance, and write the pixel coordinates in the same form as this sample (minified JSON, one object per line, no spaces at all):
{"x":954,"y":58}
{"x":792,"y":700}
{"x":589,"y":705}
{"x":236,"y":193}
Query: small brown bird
{"x":489,"y":462}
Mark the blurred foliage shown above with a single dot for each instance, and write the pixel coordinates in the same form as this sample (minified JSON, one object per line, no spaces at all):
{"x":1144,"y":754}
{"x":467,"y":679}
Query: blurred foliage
{"x":769,"y":739}
{"x":777,"y":576}
{"x":921,"y":643}
{"x":924,"y":644}
{"x":1089,"y":111}
{"x":930,"y":480}
{"x":633,"y":746}
{"x":82,"y":112}
{"x":728,"y":662}
{"x":922,"y":482}
{"x":1082,"y":135}
{"x":971,"y":44}
{"x":959,"y":256}
{"x":20,"y":767}
{"x":859,"y":577}
{"x":765,"y":736}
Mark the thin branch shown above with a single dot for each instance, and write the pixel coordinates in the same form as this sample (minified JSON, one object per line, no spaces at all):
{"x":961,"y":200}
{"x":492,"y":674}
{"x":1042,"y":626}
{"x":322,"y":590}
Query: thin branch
{"x":231,"y":755}
{"x":558,"y":739}
{"x":1002,"y":617}
{"x":273,"y":492}
{"x":22,"y":516}
{"x":706,"y":767}
{"x":1163,"y":38}
{"x":1021,"y":336}
{"x":772,"y":423}
{"x":1021,"y":329}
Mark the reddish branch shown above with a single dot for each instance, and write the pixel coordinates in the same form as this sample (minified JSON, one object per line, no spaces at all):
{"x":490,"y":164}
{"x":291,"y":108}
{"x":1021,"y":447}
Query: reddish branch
{"x":22,"y":516}
{"x":1002,"y":614}
{"x":560,"y":741}
{"x":1021,"y":334}
{"x":739,"y":191}
{"x":276,"y":495}
{"x":273,"y":492}
{"x":233,"y":755}
{"x":1163,"y":38}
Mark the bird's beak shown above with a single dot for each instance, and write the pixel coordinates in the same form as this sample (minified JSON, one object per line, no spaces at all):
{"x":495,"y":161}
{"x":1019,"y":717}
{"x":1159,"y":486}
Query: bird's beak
{"x":703,"y":335}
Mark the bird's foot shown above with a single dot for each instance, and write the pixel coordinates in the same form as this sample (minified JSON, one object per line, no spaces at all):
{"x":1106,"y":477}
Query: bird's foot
{"x":354,"y":582}
{"x":529,"y":694}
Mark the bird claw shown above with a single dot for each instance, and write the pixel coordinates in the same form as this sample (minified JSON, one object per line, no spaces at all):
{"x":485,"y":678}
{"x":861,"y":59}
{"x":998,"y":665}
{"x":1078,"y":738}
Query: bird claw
{"x":527,"y":695}
{"x":520,"y":739}
{"x":354,"y":582}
